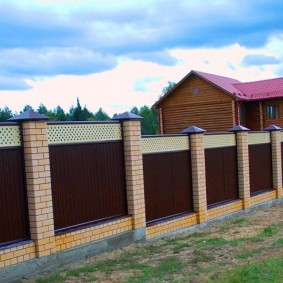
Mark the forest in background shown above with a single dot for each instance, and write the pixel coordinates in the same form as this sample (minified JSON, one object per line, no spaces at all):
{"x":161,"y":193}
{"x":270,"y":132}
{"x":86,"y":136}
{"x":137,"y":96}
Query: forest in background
{"x":149,"y":123}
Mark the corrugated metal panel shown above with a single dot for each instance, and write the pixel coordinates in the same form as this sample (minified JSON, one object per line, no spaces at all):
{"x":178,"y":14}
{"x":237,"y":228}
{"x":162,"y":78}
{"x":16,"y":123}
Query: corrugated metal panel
{"x":260,"y":162}
{"x":88,"y":183}
{"x":13,"y":205}
{"x":167,"y":181}
{"x":221,"y":174}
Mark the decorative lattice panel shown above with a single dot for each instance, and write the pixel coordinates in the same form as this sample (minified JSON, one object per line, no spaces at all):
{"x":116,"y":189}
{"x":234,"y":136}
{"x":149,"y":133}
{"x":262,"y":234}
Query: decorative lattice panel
{"x":10,"y":136}
{"x":258,"y":138}
{"x":81,"y":133}
{"x":213,"y":141}
{"x":163,"y":144}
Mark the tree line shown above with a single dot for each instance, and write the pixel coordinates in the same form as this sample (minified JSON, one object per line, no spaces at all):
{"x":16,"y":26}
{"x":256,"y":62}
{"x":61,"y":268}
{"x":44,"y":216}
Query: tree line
{"x":149,"y":123}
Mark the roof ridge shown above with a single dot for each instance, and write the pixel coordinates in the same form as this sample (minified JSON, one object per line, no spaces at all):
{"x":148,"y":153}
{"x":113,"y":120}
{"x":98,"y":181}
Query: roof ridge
{"x":200,"y":72}
{"x":257,"y":81}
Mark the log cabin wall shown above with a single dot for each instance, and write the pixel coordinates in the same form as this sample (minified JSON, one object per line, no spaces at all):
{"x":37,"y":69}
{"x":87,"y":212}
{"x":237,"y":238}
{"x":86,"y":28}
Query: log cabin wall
{"x":210,"y":109}
{"x":252,"y":116}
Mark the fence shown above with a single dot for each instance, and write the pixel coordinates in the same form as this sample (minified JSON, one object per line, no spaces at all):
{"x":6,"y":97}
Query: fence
{"x":64,"y":185}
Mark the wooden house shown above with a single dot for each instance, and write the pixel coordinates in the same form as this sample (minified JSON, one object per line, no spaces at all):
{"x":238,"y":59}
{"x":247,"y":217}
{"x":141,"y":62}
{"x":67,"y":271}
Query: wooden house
{"x":217,"y":103}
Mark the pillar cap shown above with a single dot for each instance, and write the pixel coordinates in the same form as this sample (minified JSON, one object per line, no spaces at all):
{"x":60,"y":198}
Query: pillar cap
{"x":193,"y":130}
{"x":127,"y":116}
{"x":29,"y":115}
{"x":272,"y":128}
{"x":239,"y":128}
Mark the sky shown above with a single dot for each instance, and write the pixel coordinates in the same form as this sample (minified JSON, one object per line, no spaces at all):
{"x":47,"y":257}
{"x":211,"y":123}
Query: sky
{"x":117,"y":54}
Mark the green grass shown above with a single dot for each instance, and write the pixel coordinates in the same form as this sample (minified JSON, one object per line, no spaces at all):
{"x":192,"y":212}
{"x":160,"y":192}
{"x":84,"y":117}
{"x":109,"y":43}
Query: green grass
{"x":201,"y":256}
{"x":76,"y":272}
{"x":241,"y":222}
{"x":55,"y":277}
{"x":199,"y":234}
{"x":269,"y":231}
{"x":278,"y":242}
{"x":181,"y":247}
{"x":164,"y":270}
{"x":215,"y":242}
{"x":245,"y":254}
{"x":267,"y":271}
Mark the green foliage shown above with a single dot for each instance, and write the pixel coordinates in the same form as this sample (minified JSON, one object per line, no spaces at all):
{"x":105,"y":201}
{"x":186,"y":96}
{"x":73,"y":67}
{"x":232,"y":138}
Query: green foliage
{"x":149,"y":123}
{"x":100,"y":115}
{"x":27,"y":107}
{"x":167,"y":88}
{"x":5,"y":114}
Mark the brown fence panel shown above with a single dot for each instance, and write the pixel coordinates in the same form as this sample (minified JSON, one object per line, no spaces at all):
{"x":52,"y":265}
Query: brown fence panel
{"x":13,"y":205}
{"x":221,"y":175}
{"x":88,"y":183}
{"x":167,"y":181}
{"x":260,"y":161}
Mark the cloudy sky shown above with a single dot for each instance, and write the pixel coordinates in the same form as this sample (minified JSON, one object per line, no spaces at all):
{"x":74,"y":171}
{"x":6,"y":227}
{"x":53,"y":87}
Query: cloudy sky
{"x":117,"y":54}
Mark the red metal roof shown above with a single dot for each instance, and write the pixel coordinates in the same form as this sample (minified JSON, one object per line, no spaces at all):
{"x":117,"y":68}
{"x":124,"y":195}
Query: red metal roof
{"x":225,"y":83}
{"x":265,"y":89}
{"x":258,"y":90}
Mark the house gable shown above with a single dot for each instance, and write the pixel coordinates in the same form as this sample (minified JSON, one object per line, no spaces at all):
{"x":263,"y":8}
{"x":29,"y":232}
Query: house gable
{"x":196,"y":101}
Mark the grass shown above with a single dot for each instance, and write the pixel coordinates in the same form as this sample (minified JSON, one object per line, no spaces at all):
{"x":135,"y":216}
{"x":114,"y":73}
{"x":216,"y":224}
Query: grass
{"x":204,"y":256}
{"x":278,"y":242}
{"x":245,"y":254}
{"x":215,"y":242}
{"x":267,"y":271}
{"x":201,"y":256}
{"x":55,"y":277}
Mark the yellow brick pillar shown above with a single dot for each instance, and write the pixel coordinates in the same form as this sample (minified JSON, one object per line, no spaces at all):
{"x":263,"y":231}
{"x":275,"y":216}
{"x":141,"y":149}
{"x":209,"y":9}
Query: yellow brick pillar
{"x":37,"y":169}
{"x":243,"y":164}
{"x":131,"y":128}
{"x":196,"y":139}
{"x":275,"y":137}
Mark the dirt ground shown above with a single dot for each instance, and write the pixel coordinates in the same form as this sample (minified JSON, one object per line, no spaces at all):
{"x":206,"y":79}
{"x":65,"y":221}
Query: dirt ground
{"x":189,"y":257}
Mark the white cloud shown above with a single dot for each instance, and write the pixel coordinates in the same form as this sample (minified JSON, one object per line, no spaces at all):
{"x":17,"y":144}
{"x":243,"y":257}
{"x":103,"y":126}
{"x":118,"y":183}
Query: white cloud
{"x":137,"y":83}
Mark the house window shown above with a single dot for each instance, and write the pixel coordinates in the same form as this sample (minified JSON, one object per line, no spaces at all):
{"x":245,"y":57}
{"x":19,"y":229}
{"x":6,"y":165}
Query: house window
{"x":272,"y":112}
{"x":195,"y":91}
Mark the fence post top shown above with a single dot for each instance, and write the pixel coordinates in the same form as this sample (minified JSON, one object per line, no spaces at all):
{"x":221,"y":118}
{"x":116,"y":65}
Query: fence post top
{"x":193,"y":130}
{"x":29,"y":115}
{"x":239,"y":128}
{"x":127,"y":116}
{"x":271,"y":128}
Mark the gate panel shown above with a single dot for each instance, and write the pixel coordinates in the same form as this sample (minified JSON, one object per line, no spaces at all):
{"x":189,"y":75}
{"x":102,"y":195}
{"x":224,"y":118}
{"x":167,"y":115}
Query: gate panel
{"x":260,"y":162}
{"x":14,"y":225}
{"x":221,"y":174}
{"x":88,"y":183}
{"x":167,"y":181}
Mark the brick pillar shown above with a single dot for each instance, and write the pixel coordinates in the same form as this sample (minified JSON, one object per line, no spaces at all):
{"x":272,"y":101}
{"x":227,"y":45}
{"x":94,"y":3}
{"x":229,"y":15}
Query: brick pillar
{"x":243,"y":164}
{"x":37,"y":168}
{"x":196,"y":139}
{"x":275,"y":137}
{"x":134,"y":170}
